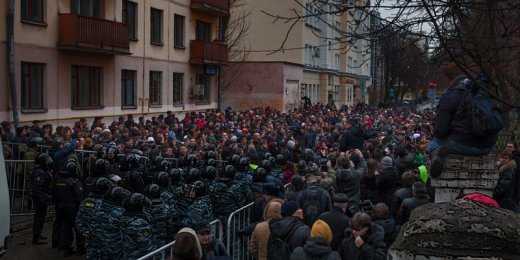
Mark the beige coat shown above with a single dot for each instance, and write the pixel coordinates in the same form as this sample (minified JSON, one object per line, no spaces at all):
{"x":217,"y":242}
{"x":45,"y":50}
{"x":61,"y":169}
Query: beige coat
{"x":261,"y":233}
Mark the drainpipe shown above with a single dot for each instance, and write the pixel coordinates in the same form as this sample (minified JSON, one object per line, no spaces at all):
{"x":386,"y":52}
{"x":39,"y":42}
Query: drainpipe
{"x":10,"y":62}
{"x":218,"y":88}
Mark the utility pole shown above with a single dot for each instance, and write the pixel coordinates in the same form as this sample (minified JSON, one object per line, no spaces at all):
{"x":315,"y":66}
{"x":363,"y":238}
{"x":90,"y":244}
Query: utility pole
{"x":11,"y":63}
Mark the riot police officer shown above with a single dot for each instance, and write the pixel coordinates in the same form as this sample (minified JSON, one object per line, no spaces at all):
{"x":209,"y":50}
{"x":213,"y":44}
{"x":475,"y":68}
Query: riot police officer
{"x":110,"y":215}
{"x":132,"y":179}
{"x":160,"y":216}
{"x":42,"y":195}
{"x":136,"y":232}
{"x":67,"y":196}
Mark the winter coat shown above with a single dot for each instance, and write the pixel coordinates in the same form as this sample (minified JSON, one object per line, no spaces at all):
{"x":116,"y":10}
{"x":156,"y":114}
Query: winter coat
{"x":399,"y":196}
{"x":338,"y":222}
{"x":314,"y":190}
{"x":374,"y":247}
{"x":314,"y":248}
{"x":391,"y":229}
{"x":457,"y":127}
{"x":352,"y":139}
{"x":504,"y":191}
{"x":261,"y":233}
{"x":408,"y":205}
{"x":386,"y":183}
{"x":282,"y":227}
{"x":349,"y":181}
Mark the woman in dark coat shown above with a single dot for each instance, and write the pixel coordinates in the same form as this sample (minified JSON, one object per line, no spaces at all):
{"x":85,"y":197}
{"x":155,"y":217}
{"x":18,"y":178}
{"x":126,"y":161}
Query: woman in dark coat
{"x":504,"y":190}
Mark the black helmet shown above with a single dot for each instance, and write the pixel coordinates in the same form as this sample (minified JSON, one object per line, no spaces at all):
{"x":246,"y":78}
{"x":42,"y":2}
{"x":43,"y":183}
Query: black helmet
{"x":209,"y":173}
{"x":102,"y":185}
{"x":229,"y":172}
{"x":308,"y":155}
{"x":157,"y":159}
{"x":71,"y":166}
{"x":193,"y":175}
{"x":191,"y":159}
{"x":35,"y":141}
{"x":164,"y":164}
{"x":244,"y":161}
{"x":267,"y":155}
{"x":163,"y":179}
{"x":302,"y":165}
{"x":136,"y":202}
{"x":280,"y":160}
{"x":211,"y":155}
{"x":117,"y":195}
{"x":101,"y":167}
{"x":152,"y":191}
{"x":175,"y":175}
{"x":272,"y":160}
{"x":200,"y":188}
{"x":211,"y":162}
{"x":131,"y":161}
{"x":44,"y":160}
{"x":266,"y":164}
{"x":259,"y":175}
{"x":234,"y":159}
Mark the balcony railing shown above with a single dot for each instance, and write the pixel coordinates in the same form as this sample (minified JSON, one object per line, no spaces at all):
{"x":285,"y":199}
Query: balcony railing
{"x":219,"y":7}
{"x":204,"y":52}
{"x":92,"y":34}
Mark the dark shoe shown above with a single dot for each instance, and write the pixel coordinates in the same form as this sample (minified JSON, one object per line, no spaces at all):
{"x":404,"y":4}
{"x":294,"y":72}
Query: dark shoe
{"x":438,"y":162}
{"x":39,"y":242}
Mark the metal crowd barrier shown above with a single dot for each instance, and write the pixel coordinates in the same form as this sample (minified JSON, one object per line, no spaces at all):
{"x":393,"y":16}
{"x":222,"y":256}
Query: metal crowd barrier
{"x":166,"y":251}
{"x":14,"y":151}
{"x":237,"y":244}
{"x":19,"y":181}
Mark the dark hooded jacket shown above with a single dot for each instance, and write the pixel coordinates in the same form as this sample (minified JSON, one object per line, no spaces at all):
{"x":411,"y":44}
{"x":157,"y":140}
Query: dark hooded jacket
{"x":338,"y":222}
{"x":282,"y":228}
{"x":408,"y":205}
{"x":374,"y":247}
{"x":314,"y":248}
{"x":391,"y":229}
{"x":399,"y":196}
{"x":504,"y":190}
{"x":386,"y":183}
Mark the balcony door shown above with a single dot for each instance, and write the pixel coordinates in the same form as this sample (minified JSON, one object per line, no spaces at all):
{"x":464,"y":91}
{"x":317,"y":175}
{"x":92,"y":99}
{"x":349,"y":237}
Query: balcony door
{"x":92,"y":8}
{"x":203,"y":31}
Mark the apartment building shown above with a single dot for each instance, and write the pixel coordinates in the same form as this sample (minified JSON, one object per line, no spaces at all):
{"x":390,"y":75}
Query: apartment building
{"x":87,"y":58}
{"x":314,"y":60}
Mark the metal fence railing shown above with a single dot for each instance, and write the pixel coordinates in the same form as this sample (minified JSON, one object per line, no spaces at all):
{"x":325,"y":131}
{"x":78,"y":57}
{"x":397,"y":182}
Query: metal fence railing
{"x":166,"y":251}
{"x":237,"y":243}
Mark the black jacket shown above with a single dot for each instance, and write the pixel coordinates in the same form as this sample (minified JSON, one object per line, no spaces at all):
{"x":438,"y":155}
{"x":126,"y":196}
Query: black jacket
{"x":504,"y":191}
{"x":314,"y":248}
{"x":449,"y":124}
{"x":399,"y":196}
{"x":374,"y":247}
{"x":386,"y":183}
{"x":348,"y":181}
{"x":282,"y":227}
{"x":352,"y":139}
{"x":408,"y":205}
{"x":338,"y":222}
{"x":391,"y":229}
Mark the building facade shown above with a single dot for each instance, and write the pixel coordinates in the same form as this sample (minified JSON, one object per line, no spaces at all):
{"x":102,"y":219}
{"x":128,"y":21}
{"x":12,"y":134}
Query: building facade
{"x":315,"y":61}
{"x":87,"y":58}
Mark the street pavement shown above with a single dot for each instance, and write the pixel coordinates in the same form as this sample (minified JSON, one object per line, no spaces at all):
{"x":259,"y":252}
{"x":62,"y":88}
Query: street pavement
{"x":22,"y":247}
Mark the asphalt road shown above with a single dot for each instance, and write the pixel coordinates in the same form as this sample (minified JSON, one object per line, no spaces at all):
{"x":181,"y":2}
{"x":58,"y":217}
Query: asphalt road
{"x":22,"y":247}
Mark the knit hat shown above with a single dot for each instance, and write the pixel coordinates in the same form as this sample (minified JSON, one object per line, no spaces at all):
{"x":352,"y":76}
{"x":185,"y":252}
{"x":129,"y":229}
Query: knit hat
{"x":291,"y":144}
{"x":289,"y":207}
{"x":321,"y":229}
{"x":387,"y":161}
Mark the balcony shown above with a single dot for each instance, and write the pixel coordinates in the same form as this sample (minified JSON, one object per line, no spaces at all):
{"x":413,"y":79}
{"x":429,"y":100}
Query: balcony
{"x":217,"y":7}
{"x":90,"y":34}
{"x":203,"y":52}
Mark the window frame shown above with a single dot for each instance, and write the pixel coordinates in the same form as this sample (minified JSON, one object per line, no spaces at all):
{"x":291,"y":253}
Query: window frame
{"x":201,"y":79}
{"x":132,"y":28}
{"x":178,"y":88}
{"x":126,"y":76}
{"x":203,"y":31}
{"x":25,"y":17}
{"x":25,"y":76}
{"x":151,"y":81}
{"x":74,"y":87}
{"x":76,"y":5}
{"x":161,"y":26}
{"x":179,"y":31}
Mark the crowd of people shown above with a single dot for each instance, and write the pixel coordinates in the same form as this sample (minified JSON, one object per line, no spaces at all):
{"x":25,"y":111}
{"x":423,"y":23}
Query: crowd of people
{"x":326,"y":182}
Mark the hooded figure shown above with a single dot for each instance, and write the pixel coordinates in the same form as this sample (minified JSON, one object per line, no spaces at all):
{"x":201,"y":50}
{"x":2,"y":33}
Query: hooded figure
{"x":318,"y":245}
{"x":187,"y":245}
{"x":273,"y":210}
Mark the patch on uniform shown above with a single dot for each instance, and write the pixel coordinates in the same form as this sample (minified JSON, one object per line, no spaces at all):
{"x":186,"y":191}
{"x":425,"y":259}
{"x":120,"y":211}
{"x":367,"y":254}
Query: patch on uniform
{"x":146,"y":232}
{"x":89,"y":204}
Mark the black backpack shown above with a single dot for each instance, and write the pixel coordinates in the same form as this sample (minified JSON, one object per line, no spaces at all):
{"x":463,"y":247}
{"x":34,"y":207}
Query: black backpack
{"x":278,"y":248}
{"x":312,"y":208}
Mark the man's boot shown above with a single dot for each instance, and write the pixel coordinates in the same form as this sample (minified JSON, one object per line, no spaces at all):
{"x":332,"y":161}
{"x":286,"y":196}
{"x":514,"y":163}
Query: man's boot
{"x":38,"y":241}
{"x":438,"y":162}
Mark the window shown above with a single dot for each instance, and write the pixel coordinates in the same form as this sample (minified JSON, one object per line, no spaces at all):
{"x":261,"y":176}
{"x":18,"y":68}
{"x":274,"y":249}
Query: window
{"x":155,"y":88}
{"x":178,"y":31}
{"x":128,"y":81}
{"x":32,"y":85}
{"x":336,"y":61}
{"x":87,"y":7}
{"x":32,"y":10}
{"x":222,"y":27}
{"x":86,"y":86}
{"x":156,"y":18}
{"x":178,"y":85}
{"x":350,"y":65}
{"x":130,"y":18}
{"x":203,"y":31}
{"x":202,"y":89}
